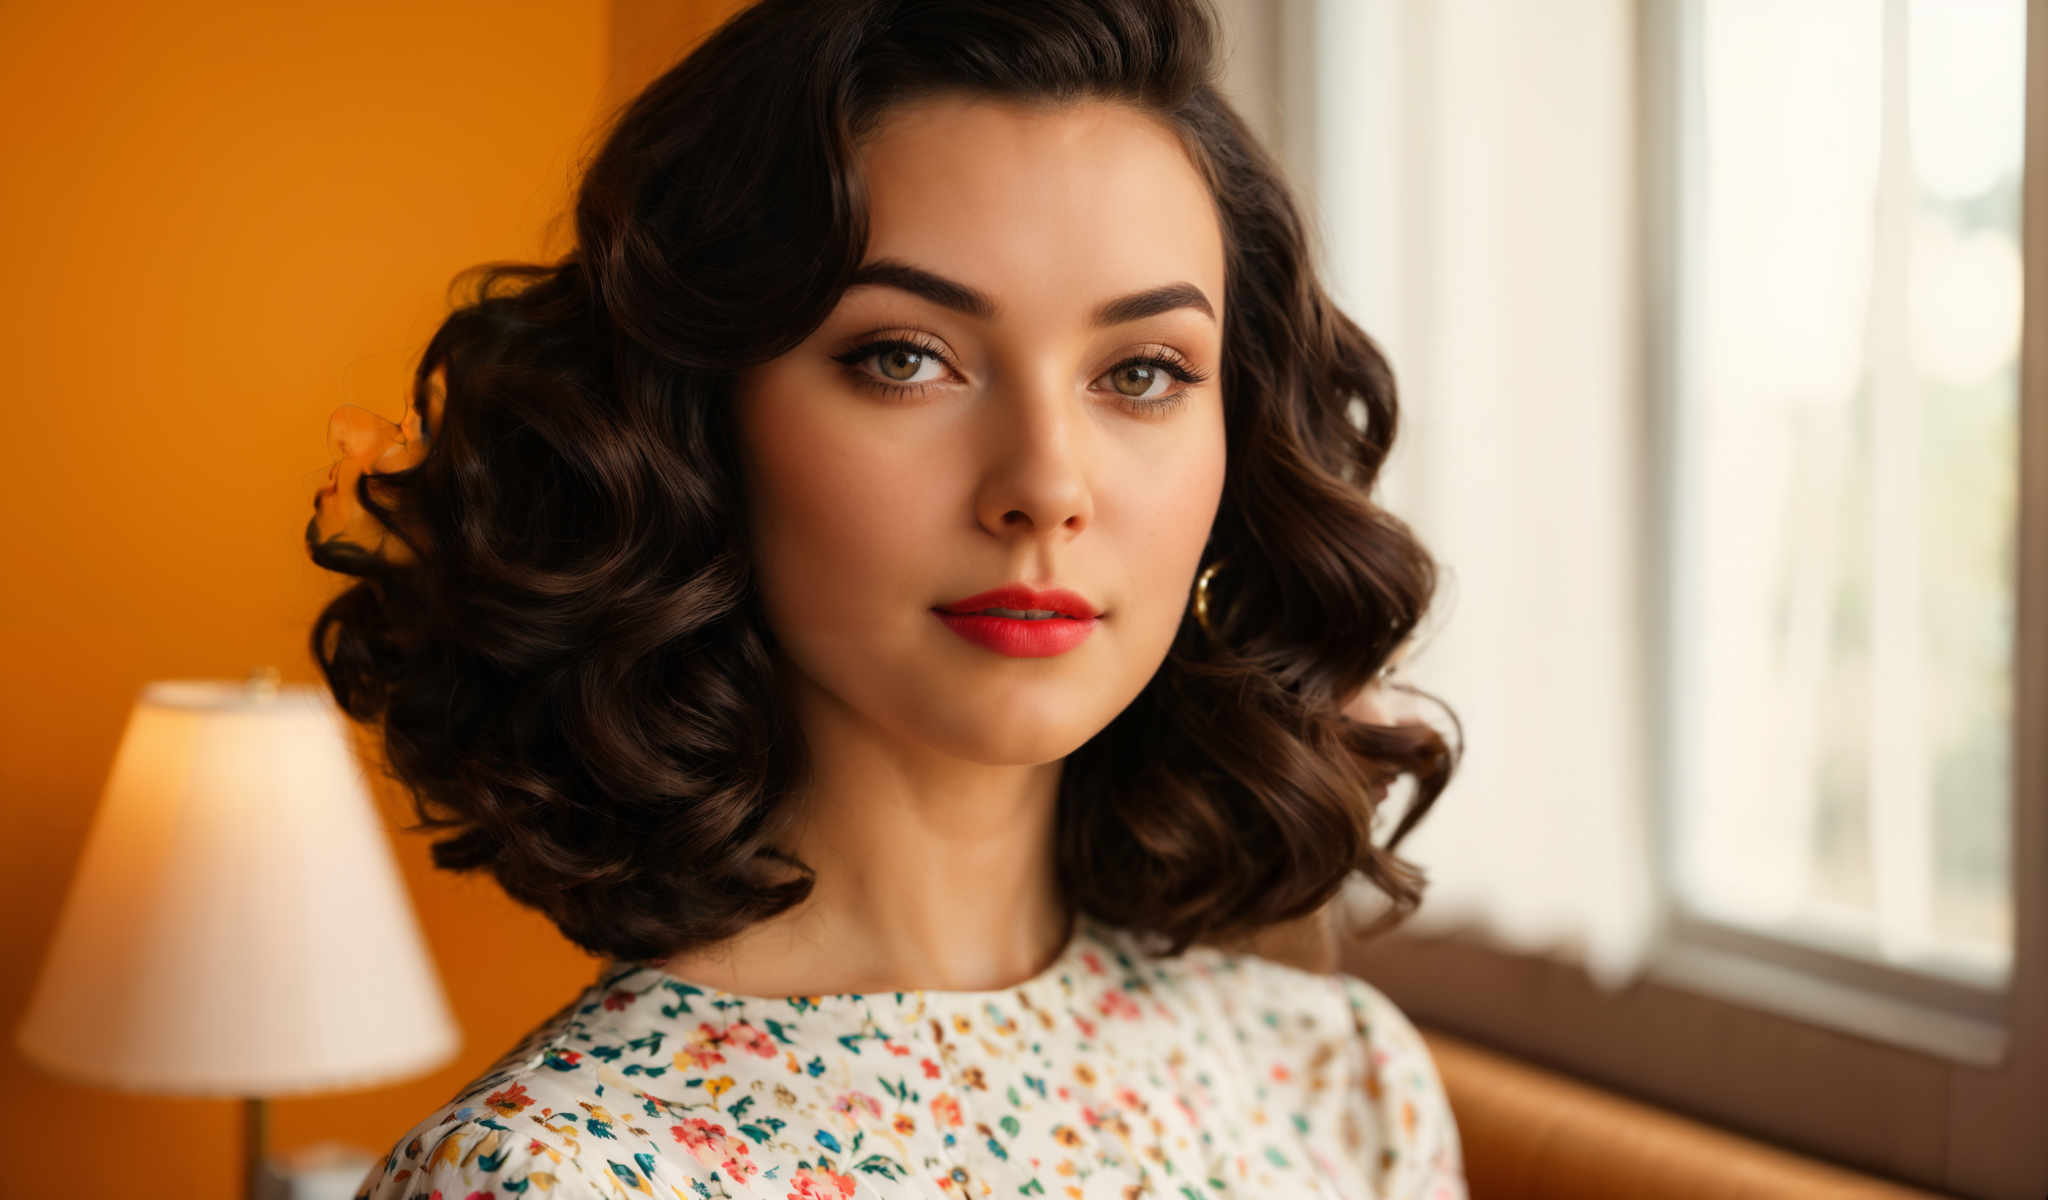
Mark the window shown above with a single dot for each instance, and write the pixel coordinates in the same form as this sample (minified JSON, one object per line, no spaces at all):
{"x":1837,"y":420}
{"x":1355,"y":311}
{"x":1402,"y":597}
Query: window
{"x":1837,"y":546}
{"x":1842,"y":479}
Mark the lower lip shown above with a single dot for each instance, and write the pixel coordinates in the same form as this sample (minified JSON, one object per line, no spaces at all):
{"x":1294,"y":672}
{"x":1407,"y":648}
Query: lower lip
{"x":1021,"y":637}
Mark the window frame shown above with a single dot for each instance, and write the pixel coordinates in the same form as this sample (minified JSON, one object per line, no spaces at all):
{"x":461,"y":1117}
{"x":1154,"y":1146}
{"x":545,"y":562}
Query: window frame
{"x":1932,"y":1081}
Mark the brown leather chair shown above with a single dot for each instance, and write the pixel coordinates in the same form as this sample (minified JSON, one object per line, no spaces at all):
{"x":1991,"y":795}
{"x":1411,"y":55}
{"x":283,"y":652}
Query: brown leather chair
{"x":1532,"y":1134}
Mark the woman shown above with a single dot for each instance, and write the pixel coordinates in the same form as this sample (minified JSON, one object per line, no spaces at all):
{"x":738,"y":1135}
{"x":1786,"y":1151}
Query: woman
{"x":788,"y":593}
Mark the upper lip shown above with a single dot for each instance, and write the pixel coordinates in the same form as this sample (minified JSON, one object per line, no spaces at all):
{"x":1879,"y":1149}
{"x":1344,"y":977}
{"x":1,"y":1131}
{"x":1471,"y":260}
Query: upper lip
{"x":1025,"y":598}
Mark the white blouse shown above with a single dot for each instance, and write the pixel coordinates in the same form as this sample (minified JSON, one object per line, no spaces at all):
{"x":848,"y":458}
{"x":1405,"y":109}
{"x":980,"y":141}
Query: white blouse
{"x":1111,"y":1074}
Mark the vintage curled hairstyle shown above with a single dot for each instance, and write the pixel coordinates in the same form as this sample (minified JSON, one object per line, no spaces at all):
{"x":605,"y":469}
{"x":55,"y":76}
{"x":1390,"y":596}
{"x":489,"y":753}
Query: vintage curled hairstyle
{"x":573,"y":675}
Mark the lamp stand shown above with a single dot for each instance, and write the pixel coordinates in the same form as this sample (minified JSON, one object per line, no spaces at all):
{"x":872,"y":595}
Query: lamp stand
{"x":255,"y":1120}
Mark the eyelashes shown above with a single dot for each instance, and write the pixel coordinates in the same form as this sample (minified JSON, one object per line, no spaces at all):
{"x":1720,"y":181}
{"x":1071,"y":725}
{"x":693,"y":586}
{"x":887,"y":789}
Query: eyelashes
{"x":1164,"y":359}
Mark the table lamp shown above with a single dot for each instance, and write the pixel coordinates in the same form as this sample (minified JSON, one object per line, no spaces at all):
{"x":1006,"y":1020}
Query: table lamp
{"x":237,"y":926}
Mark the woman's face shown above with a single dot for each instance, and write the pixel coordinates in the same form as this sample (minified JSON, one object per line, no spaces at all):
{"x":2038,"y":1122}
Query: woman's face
{"x":1010,"y":439}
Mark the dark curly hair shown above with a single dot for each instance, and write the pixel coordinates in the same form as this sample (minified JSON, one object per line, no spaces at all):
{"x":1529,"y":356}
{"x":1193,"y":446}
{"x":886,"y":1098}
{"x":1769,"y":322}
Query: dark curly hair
{"x":574,"y":676}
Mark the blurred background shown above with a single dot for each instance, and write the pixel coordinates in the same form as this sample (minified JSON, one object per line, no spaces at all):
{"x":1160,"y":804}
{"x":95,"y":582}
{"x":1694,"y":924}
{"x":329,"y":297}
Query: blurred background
{"x":1707,"y":321}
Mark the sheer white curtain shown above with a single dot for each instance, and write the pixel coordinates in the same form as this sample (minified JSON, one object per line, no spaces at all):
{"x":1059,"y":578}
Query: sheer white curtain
{"x":1470,"y":167}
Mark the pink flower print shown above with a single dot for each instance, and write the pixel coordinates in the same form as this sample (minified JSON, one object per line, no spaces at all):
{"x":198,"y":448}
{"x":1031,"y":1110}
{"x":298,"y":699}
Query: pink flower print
{"x":700,"y":1051}
{"x":820,"y":1184}
{"x":946,"y":1110}
{"x":849,"y":1101}
{"x":931,"y":1069}
{"x":1281,"y":1074}
{"x":618,"y":1000}
{"x":898,"y":1049}
{"x":1087,"y":1026}
{"x":747,"y":1038}
{"x":710,"y":1144}
{"x":1092,"y":961}
{"x":698,"y":1134}
{"x":736,"y":1163}
{"x":1118,"y":1004}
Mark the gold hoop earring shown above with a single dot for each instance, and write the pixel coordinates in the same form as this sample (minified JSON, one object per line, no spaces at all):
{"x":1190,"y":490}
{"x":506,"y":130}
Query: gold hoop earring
{"x":1202,"y":595}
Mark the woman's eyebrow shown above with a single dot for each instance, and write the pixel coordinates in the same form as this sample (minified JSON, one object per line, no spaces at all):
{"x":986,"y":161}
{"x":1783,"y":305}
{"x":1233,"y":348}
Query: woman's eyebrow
{"x":950,"y":293}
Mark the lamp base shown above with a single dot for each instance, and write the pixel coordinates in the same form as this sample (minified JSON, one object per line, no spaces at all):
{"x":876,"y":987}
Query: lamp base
{"x":329,"y":1171}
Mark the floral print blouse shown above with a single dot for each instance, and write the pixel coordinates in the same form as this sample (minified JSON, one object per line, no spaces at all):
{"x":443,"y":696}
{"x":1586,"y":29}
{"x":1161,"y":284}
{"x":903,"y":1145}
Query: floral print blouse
{"x":1110,"y":1075}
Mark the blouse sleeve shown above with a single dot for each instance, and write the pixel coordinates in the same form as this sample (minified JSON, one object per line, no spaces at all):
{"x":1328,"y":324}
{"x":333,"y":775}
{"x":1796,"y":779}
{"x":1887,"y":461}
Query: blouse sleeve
{"x":465,"y":1158}
{"x":1418,"y":1155}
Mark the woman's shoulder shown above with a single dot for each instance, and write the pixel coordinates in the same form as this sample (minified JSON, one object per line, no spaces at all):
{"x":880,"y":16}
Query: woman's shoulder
{"x":540,"y":1119}
{"x":1327,"y":1042}
{"x":1418,"y":1153}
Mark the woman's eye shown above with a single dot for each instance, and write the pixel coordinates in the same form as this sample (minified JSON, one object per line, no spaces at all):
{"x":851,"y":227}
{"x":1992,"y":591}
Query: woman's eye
{"x":1139,"y":376}
{"x":900,"y":364}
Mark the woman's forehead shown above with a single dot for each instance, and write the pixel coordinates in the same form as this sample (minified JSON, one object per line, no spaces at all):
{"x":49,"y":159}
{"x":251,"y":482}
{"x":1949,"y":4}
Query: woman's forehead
{"x":1038,"y":202}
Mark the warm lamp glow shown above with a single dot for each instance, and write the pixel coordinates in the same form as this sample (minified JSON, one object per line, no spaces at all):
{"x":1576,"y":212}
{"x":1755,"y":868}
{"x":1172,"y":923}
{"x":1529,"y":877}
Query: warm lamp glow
{"x":237,"y":926}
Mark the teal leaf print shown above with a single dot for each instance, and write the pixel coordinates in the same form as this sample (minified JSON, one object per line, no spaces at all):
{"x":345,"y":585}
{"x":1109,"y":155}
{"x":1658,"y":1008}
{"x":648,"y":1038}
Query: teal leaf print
{"x":1035,"y":1084}
{"x":491,"y":1162}
{"x":651,"y":1043}
{"x":1033,"y":1188}
{"x":899,"y":1090}
{"x":683,"y":992}
{"x":515,"y":1186}
{"x":826,"y":1140}
{"x":1016,"y":1101}
{"x":881,"y":1164}
{"x":599,"y":1129}
{"x":646,"y":1162}
{"x":739,"y":1108}
{"x":1010,"y":1125}
{"x":1274,"y":1156}
{"x":1300,"y":1124}
{"x":607,"y":1053}
{"x":775,"y":1030}
{"x":815,"y":1067}
{"x":624,"y":1172}
{"x":996,"y":1148}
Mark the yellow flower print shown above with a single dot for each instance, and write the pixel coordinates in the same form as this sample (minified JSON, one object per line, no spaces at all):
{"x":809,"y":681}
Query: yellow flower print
{"x":718,"y":1087}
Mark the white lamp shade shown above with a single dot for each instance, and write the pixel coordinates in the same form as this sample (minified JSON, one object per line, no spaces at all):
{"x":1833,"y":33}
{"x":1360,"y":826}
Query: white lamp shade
{"x":237,"y":925}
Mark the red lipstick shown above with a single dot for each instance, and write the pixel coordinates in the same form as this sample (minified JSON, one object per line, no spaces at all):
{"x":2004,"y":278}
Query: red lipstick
{"x":1022,"y":636}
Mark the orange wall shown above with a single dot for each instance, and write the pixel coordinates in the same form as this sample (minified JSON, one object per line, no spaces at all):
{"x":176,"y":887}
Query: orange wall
{"x":218,"y":222}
